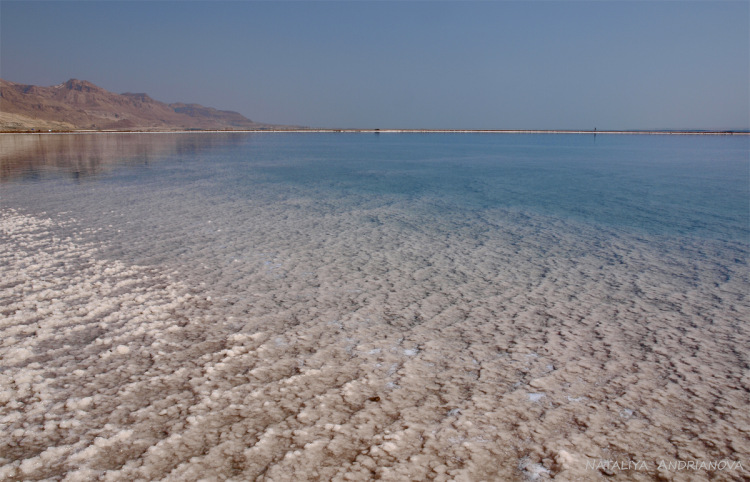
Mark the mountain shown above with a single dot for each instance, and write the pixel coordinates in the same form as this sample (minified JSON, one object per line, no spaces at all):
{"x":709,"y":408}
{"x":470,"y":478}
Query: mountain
{"x":81,"y":105}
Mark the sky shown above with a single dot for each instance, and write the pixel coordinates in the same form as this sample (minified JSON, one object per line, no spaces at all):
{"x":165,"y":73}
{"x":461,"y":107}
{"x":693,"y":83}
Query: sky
{"x":416,"y":64}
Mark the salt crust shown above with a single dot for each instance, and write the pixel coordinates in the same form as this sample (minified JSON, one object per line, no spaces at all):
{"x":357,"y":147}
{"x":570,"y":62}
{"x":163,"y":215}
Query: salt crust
{"x":416,"y":363}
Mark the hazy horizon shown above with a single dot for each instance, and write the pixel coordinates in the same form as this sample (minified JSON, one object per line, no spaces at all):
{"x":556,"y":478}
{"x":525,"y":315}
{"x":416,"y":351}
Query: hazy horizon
{"x":403,"y":65}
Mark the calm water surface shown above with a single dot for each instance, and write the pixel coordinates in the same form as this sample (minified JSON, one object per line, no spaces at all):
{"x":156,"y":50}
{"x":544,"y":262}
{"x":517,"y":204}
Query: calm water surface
{"x":691,"y":185}
{"x":395,"y":306}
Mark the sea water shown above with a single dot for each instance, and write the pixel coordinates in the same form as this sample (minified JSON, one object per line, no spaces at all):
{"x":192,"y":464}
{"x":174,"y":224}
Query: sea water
{"x":309,"y":306}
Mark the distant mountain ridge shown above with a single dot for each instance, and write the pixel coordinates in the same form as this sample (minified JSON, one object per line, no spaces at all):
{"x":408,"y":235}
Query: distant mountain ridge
{"x":81,"y":105}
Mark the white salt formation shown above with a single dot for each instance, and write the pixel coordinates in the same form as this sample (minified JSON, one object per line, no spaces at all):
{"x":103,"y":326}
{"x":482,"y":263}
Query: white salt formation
{"x":517,"y":352}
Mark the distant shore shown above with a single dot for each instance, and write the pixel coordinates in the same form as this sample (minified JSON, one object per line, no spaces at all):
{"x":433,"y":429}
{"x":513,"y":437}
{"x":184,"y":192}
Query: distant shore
{"x":393,"y":131}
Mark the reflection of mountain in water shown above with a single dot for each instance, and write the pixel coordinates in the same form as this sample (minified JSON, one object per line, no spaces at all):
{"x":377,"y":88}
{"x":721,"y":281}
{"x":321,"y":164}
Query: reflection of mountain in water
{"x":32,"y":156}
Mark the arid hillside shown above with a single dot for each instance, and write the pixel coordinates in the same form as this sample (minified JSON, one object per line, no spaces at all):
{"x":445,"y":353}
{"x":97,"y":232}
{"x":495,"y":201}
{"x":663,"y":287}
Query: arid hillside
{"x":78,"y":104}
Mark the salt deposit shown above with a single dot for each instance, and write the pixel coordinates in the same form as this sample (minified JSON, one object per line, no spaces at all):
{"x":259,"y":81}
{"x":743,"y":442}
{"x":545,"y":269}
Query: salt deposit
{"x":430,"y":370}
{"x":161,"y":333}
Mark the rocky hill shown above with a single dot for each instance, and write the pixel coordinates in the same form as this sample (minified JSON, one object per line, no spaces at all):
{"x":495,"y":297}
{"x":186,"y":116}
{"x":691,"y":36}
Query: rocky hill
{"x":81,"y":105}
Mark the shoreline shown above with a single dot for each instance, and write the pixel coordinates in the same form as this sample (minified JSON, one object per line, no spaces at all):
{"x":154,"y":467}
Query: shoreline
{"x":397,"y":131}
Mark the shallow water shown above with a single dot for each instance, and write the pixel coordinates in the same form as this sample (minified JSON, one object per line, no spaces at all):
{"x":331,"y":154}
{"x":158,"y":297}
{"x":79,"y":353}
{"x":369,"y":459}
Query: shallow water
{"x":358,"y":306}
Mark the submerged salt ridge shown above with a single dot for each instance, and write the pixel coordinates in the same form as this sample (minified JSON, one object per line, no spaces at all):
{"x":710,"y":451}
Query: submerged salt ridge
{"x":364,"y":343}
{"x":252,"y":308}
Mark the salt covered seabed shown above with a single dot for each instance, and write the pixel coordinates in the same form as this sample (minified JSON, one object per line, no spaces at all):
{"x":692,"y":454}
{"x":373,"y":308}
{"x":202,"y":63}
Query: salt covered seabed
{"x":368,"y":343}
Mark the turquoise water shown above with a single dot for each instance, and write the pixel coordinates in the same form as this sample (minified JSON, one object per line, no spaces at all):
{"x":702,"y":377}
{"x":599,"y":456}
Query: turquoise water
{"x":688,"y":185}
{"x":401,"y":306}
{"x":662,"y":184}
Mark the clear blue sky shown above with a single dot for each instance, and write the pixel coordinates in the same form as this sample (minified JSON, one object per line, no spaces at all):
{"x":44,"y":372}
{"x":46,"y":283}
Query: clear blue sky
{"x":564,"y":64}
